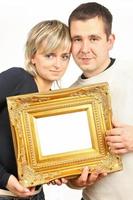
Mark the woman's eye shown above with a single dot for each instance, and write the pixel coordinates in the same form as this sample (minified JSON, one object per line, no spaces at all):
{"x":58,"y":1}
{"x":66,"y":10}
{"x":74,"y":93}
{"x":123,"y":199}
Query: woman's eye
{"x":49,"y":55}
{"x":66,"y":57}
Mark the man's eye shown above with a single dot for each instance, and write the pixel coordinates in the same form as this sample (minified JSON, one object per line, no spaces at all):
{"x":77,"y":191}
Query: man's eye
{"x":93,"y":39}
{"x":76,"y":40}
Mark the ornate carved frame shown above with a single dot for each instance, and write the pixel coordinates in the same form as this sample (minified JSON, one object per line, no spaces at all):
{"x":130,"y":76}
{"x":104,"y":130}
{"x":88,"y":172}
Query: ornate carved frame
{"x":36,"y":168}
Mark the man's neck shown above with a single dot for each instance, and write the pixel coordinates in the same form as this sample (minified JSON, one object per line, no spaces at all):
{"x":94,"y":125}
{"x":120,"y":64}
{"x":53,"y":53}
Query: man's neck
{"x":105,"y":67}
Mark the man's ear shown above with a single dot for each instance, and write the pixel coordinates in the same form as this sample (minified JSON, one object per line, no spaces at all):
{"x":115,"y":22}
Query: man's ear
{"x":111,"y":41}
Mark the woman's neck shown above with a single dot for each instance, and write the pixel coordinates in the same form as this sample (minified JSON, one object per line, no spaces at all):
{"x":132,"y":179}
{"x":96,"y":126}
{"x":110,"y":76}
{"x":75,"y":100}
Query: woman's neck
{"x":43,"y":85}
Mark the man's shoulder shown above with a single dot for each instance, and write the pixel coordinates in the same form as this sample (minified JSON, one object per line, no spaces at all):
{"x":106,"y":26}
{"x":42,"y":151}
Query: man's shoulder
{"x":124,"y":63}
{"x":124,"y":66}
{"x":77,"y":82}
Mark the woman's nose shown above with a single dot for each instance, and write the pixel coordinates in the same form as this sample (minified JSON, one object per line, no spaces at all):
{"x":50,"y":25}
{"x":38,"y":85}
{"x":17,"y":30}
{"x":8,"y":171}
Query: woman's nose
{"x":57,"y":63}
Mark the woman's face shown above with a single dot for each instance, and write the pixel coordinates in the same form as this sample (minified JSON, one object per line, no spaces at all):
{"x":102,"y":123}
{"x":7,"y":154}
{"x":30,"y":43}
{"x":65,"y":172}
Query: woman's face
{"x":52,"y":66}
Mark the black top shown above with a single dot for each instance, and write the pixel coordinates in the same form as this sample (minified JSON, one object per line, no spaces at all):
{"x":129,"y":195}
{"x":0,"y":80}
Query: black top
{"x":13,"y":81}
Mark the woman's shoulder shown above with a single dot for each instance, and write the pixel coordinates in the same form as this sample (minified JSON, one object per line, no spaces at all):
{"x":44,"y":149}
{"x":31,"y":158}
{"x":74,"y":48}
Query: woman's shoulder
{"x":16,"y":70}
{"x":15,"y":75}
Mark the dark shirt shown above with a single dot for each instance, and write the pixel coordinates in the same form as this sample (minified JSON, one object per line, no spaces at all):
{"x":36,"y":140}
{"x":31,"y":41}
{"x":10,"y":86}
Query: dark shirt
{"x":14,"y":81}
{"x":112,"y":60}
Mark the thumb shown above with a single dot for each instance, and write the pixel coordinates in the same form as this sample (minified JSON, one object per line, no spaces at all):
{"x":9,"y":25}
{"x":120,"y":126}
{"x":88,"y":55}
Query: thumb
{"x":19,"y":187}
{"x":116,"y":123}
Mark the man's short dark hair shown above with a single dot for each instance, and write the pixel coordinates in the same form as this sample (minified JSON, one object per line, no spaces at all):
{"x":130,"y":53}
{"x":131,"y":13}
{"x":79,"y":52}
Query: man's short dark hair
{"x":90,"y":10}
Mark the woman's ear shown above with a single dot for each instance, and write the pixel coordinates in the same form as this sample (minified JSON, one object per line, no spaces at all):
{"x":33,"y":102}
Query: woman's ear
{"x":33,"y":60}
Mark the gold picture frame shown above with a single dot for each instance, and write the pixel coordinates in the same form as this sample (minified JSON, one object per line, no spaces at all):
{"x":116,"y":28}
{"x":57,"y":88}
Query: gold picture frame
{"x":58,"y":133}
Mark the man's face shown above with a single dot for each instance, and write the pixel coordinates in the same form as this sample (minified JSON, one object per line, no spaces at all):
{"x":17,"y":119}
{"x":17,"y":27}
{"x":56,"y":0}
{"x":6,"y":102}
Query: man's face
{"x":90,"y":45}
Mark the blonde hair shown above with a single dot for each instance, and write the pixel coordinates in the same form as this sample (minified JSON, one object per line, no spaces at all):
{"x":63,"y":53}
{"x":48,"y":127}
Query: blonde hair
{"x":54,"y":33}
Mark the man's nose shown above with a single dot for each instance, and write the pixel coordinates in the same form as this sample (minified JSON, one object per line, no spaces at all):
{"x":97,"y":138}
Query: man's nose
{"x":86,"y":47}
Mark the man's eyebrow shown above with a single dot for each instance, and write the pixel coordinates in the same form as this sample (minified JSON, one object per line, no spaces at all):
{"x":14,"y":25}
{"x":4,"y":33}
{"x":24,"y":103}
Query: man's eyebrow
{"x":76,"y":36}
{"x":94,"y":35}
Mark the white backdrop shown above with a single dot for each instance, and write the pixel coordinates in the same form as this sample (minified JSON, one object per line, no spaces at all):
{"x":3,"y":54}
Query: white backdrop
{"x":18,"y":17}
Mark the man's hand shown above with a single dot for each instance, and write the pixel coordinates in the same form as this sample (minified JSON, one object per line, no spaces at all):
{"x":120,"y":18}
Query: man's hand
{"x":86,"y":179}
{"x":59,"y":181}
{"x":17,"y":189}
{"x":120,"y":138}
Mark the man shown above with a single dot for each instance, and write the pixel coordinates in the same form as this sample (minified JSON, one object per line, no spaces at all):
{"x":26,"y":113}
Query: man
{"x":90,"y":28}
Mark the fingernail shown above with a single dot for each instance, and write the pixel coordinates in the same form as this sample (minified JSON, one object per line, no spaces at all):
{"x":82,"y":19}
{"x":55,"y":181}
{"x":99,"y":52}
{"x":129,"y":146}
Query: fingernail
{"x":26,"y":190}
{"x":87,"y":168}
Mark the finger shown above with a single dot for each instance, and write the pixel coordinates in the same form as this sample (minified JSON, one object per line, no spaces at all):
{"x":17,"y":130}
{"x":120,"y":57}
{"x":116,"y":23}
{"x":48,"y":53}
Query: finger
{"x":114,"y":132}
{"x":64,"y":180}
{"x":119,"y":151}
{"x":116,"y":123}
{"x":84,"y":175}
{"x":58,"y":182}
{"x":116,"y":145}
{"x":92,"y":178}
{"x":114,"y":139}
{"x":102,"y":175}
{"x":82,"y":179}
{"x":53,"y":182}
{"x":21,"y":189}
{"x":32,"y":189}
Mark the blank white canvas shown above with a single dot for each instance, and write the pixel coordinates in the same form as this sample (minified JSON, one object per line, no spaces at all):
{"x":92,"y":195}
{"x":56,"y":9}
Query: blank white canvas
{"x":63,"y":133}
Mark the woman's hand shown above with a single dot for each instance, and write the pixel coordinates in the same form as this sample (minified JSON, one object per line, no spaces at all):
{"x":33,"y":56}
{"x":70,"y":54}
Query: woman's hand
{"x":17,"y":189}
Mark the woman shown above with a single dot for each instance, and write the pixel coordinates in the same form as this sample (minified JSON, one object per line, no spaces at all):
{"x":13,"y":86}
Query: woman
{"x":47,"y":56}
